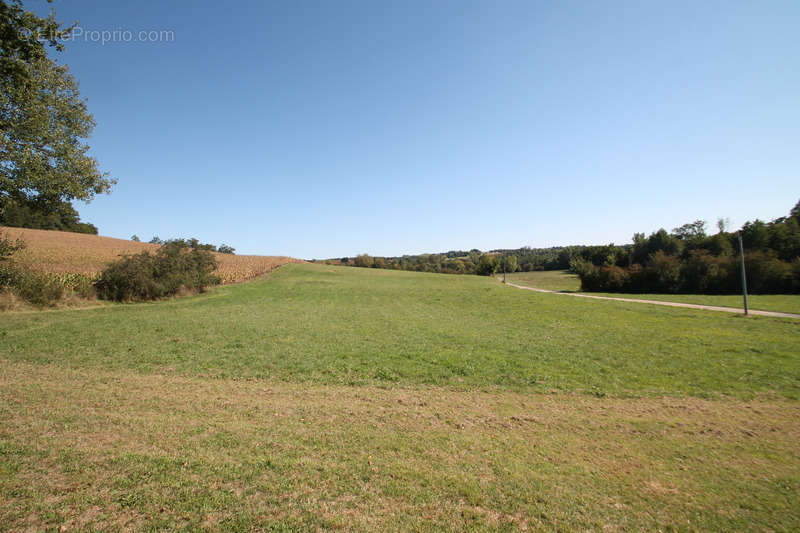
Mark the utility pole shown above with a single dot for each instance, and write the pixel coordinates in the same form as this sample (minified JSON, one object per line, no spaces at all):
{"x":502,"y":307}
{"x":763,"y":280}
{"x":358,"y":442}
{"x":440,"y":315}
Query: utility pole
{"x":744,"y":278}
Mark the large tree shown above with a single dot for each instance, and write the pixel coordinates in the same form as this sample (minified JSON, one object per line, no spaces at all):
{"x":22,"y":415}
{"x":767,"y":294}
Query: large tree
{"x":44,"y":122}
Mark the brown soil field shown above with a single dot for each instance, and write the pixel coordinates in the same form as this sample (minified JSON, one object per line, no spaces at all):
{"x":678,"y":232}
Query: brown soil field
{"x":62,"y":252}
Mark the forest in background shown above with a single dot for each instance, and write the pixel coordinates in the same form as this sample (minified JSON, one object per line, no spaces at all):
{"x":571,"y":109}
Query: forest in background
{"x":684,"y":260}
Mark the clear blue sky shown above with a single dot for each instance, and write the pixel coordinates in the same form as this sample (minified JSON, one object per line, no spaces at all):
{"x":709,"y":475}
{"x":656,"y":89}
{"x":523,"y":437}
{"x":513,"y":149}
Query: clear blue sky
{"x":324,"y":129}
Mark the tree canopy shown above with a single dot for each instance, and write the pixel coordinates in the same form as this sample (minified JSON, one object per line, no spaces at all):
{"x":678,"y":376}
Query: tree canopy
{"x":44,"y":159}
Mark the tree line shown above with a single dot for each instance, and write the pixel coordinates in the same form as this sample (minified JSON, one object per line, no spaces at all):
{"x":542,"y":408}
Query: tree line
{"x":60,"y":216}
{"x":687,"y":259}
{"x":474,"y":261}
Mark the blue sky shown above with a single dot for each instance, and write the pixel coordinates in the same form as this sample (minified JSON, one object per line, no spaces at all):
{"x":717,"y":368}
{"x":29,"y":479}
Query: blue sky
{"x":325,"y":129}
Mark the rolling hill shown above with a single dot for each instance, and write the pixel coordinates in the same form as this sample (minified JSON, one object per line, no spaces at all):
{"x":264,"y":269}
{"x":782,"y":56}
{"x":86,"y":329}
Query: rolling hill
{"x":64,"y":252}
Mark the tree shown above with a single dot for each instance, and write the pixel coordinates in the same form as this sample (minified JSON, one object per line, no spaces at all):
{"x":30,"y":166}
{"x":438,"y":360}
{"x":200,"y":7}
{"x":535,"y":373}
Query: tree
{"x":364,"y":260}
{"x":487,"y":265}
{"x":510,"y":263}
{"x":691,"y":231}
{"x":57,"y":216}
{"x":135,"y":238}
{"x":44,"y":160}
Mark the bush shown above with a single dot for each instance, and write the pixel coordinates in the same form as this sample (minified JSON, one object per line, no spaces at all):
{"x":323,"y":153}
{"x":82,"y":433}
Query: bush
{"x":35,"y":287}
{"x":364,"y":261}
{"x":38,"y":288}
{"x":143,"y":276}
{"x":664,"y":272}
{"x":703,"y":272}
{"x":766,"y":273}
{"x":601,"y":279}
{"x":487,"y":265}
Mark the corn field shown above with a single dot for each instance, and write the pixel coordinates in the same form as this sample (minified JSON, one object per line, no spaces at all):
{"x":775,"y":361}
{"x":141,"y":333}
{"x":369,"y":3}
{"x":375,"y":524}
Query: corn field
{"x":75,"y":259}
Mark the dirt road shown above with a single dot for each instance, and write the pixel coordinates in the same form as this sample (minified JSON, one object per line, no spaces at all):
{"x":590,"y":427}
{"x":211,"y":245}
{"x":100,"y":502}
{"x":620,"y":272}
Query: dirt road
{"x":658,"y":302}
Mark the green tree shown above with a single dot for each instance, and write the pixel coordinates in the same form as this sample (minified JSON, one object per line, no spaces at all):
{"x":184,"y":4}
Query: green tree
{"x":795,"y":212}
{"x":487,"y":265}
{"x":44,"y":160}
{"x":31,"y":214}
{"x":364,"y":260}
{"x":693,"y":231}
{"x":511,"y":263}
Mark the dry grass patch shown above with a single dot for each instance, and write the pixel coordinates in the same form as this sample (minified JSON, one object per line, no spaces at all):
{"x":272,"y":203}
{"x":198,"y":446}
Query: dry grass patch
{"x":93,"y":449}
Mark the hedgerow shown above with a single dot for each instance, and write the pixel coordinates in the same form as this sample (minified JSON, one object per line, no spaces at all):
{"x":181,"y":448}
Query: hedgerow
{"x":175,"y":267}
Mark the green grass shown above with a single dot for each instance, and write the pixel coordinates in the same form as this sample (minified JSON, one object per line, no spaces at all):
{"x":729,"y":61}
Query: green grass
{"x":553,"y":280}
{"x":559,"y":280}
{"x":341,"y":398}
{"x":115,"y":450}
{"x":339,"y":325}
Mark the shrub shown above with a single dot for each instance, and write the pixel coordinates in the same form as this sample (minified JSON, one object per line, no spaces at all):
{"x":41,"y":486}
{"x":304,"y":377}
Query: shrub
{"x":767,"y":273}
{"x":364,"y":261}
{"x":487,"y":265}
{"x":173,"y":268}
{"x":34,"y":287}
{"x":664,"y":272}
{"x":613,"y":278}
{"x":9,"y":247}
{"x":701,"y":271}
{"x":605,"y":278}
{"x":796,"y":272}
{"x":38,"y":288}
{"x":589,"y":274}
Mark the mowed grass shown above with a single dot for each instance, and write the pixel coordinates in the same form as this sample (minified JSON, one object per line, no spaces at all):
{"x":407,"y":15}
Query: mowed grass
{"x":563,"y":281}
{"x":552,"y":280}
{"x":341,"y":398}
{"x":95,"y":449}
{"x":340,"y":325}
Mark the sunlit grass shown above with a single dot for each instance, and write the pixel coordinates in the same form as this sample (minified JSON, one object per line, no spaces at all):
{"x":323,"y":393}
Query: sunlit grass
{"x":560,"y":280}
{"x":325,"y":324}
{"x":342,"y":398}
{"x":97,"y":449}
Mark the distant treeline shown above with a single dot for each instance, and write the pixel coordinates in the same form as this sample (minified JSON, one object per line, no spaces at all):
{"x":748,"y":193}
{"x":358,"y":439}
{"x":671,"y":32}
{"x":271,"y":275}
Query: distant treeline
{"x":474,"y":261}
{"x":60,"y":216}
{"x":686,"y":259}
{"x":471,"y":262}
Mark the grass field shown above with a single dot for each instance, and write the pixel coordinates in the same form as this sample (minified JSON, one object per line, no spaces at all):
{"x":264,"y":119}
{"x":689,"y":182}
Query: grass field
{"x":559,"y":280}
{"x":61,"y":252}
{"x":553,"y":280}
{"x":334,"y":397}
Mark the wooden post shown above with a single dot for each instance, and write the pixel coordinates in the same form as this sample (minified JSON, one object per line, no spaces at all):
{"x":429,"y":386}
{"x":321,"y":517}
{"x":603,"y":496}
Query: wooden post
{"x":744,"y":277}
